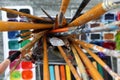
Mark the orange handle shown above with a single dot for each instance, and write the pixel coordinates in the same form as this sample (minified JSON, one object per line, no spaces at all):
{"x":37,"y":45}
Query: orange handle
{"x":46,"y":74}
{"x":4,"y":65}
{"x":73,"y":70}
{"x":12,"y":26}
{"x":93,"y":13}
{"x":91,"y":68}
{"x":64,"y":6}
{"x":26,"y":33}
{"x":59,"y":30}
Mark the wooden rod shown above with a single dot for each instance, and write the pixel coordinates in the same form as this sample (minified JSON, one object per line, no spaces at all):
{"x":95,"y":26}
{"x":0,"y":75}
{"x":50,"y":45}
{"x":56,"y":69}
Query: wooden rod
{"x":92,"y":46}
{"x":25,"y":34}
{"x":46,"y":74}
{"x":74,"y":72}
{"x":26,"y":38}
{"x":12,"y":26}
{"x":64,"y":6}
{"x":91,"y":14}
{"x":102,"y":63}
{"x":22,"y":14}
{"x":80,"y":64}
{"x":91,"y":68}
{"x":31,"y":43}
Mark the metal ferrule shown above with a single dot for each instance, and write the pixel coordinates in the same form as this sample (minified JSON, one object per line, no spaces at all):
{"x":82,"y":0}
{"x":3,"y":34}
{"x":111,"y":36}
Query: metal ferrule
{"x":108,"y":5}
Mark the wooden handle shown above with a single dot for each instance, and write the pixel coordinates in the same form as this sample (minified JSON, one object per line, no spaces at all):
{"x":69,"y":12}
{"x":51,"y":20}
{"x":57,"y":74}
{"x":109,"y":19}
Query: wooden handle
{"x":80,"y":64}
{"x":30,"y":44}
{"x":73,"y":70}
{"x":88,"y":45}
{"x":22,"y":14}
{"x":26,"y":38}
{"x":91,"y":68}
{"x":64,"y":6}
{"x":46,"y":74}
{"x":12,"y":26}
{"x":102,"y":63}
{"x":26,"y":33}
{"x":93,"y":13}
{"x":4,"y":65}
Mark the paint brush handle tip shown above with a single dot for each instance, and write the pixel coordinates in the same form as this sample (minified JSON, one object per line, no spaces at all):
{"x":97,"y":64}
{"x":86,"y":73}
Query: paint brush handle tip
{"x":4,"y":65}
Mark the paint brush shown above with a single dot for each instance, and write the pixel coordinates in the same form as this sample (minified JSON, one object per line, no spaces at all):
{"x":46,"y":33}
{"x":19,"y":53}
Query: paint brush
{"x":46,"y":73}
{"x":12,"y":57}
{"x":24,"y":34}
{"x":80,"y":64}
{"x":93,"y":13}
{"x":23,"y":14}
{"x":73,"y":30}
{"x":21,"y":58}
{"x":106,"y":51}
{"x":73,"y":70}
{"x":63,"y":8}
{"x":48,"y":15}
{"x":79,"y":10}
{"x":107,"y":27}
{"x":56,"y":23}
{"x":23,"y":39}
{"x":91,"y":68}
{"x":26,"y":49}
{"x":12,"y":26}
{"x":102,"y":63}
